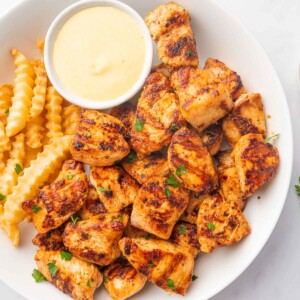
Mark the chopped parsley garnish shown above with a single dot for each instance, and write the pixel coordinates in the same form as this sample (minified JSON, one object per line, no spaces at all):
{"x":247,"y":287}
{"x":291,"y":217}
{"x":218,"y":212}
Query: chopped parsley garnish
{"x":131,"y":157}
{"x":151,"y":264}
{"x":194,"y":277}
{"x":170,"y":284}
{"x":88,"y":134}
{"x":35,"y":209}
{"x":7,"y":111}
{"x":88,"y":283}
{"x":158,"y":119}
{"x":106,"y":156}
{"x":74,"y":220}
{"x":182,"y":229}
{"x":174,"y":127}
{"x":102,"y":189}
{"x":38,"y":276}
{"x":52,"y":268}
{"x":2,"y":197}
{"x":211,"y":226}
{"x":105,"y":278}
{"x":121,"y":218}
{"x":167,"y":192}
{"x":18,"y":169}
{"x":101,"y":146}
{"x":297,"y":188}
{"x":70,"y":176}
{"x":66,"y":255}
{"x":267,"y":140}
{"x":181,"y":170}
{"x":172,"y":181}
{"x":190,"y":53}
{"x":138,"y":125}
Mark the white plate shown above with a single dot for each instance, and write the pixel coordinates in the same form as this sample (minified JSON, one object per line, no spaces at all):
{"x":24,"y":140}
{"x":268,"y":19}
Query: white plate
{"x":218,"y":35}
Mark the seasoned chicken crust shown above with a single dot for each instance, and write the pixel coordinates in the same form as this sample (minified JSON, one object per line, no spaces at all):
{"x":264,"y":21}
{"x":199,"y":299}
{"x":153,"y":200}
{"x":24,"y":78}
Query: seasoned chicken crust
{"x":167,"y":265}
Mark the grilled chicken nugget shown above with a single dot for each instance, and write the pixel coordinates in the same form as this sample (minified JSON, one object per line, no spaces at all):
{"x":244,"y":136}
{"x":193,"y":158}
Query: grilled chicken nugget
{"x":115,"y":188}
{"x":220,"y":223}
{"x":100,"y":139}
{"x":122,"y":280}
{"x":203,"y":98}
{"x":190,"y":161}
{"x":58,"y":201}
{"x":256,"y":162}
{"x":96,"y":239}
{"x":75,"y":277}
{"x":212,"y":138}
{"x":247,"y":116}
{"x":167,"y":265}
{"x":229,"y":78}
{"x":158,"y":206}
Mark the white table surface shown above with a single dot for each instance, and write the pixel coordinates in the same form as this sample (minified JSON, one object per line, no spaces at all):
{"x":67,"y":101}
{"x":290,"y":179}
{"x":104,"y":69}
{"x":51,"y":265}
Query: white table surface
{"x":275,"y":273}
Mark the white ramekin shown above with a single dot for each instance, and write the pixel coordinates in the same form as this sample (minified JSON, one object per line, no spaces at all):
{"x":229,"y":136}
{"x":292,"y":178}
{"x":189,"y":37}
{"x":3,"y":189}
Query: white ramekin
{"x":48,"y":49}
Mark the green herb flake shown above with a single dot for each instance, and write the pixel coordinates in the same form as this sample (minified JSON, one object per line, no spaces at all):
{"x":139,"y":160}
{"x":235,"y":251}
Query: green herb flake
{"x":158,"y":119}
{"x":106,"y":156}
{"x":35,"y":209}
{"x":2,"y":197}
{"x":101,"y":146}
{"x":88,"y":134}
{"x":88,"y":283}
{"x":297,"y":188}
{"x":181,"y":170}
{"x":138,"y":125}
{"x":151,"y":264}
{"x":18,"y":169}
{"x":105,"y":278}
{"x":148,"y":236}
{"x":7,"y":111}
{"x":190,"y":53}
{"x":70,"y":176}
{"x":170,"y":284}
{"x":211,"y":226}
{"x":267,"y":140}
{"x":102,"y":189}
{"x":131,"y":157}
{"x":194,"y":277}
{"x":66,"y":255}
{"x":74,"y":220}
{"x":167,"y":192}
{"x":92,"y":279}
{"x":52,"y":268}
{"x":121,"y":218}
{"x":38,"y":276}
{"x":182,"y":229}
{"x":172,"y":181}
{"x":174,"y":127}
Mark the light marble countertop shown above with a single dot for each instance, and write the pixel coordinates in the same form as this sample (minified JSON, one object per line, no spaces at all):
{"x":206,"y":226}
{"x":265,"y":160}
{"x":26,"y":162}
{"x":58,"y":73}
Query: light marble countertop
{"x":275,"y":272}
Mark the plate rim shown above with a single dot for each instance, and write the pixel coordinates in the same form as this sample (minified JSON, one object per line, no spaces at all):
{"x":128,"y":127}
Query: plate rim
{"x":289,"y":149}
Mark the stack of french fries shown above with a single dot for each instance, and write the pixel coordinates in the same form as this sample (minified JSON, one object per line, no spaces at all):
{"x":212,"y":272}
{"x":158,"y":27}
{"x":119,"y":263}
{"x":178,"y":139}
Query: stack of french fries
{"x":36,"y":128}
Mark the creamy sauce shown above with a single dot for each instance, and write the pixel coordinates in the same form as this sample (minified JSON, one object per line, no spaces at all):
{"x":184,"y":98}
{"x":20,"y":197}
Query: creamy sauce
{"x":99,"y":53}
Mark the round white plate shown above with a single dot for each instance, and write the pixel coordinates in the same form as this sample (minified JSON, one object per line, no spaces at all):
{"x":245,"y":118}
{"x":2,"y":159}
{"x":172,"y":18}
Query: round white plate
{"x":218,"y":35}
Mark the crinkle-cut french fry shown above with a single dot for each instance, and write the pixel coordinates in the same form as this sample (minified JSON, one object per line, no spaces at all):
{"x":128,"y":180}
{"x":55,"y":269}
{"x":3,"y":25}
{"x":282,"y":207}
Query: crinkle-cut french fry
{"x":53,"y":114}
{"x":5,"y":145}
{"x":50,"y":159}
{"x":30,"y":154}
{"x":23,"y":92}
{"x":70,"y":117}
{"x":39,"y":91}
{"x":34,"y":132}
{"x":6,"y":93}
{"x":9,"y":177}
{"x":40,"y":43}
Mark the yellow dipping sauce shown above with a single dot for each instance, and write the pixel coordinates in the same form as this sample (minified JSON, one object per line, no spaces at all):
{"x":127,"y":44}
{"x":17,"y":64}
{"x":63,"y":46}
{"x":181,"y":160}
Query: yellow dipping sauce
{"x":99,"y":53}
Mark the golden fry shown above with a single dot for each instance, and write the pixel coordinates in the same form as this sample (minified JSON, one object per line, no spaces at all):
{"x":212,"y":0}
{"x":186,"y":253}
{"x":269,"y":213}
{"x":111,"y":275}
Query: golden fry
{"x":70,"y":117}
{"x":35,"y":175}
{"x":23,"y":92}
{"x":34,"y":132}
{"x":53,"y":115}
{"x":6,"y":93}
{"x":39,"y":91}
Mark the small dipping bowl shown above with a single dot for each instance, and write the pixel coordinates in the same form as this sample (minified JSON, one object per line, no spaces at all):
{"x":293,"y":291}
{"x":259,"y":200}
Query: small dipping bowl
{"x":51,"y":36}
